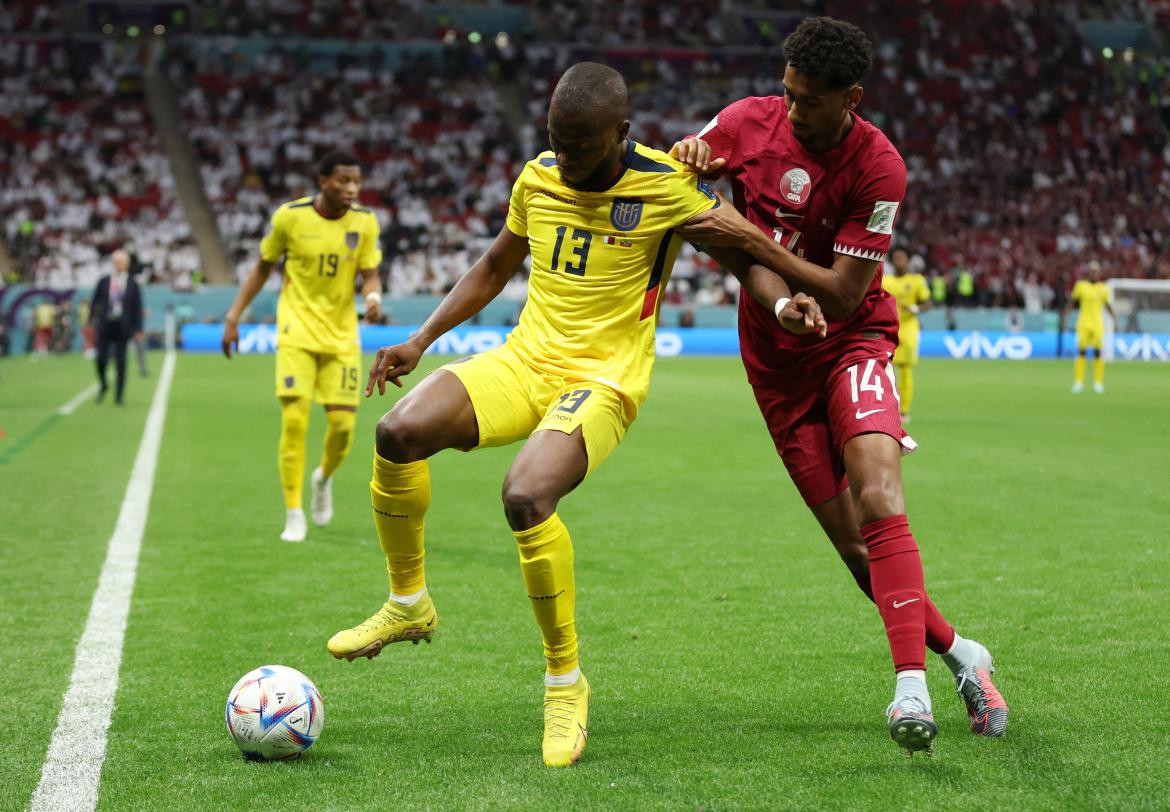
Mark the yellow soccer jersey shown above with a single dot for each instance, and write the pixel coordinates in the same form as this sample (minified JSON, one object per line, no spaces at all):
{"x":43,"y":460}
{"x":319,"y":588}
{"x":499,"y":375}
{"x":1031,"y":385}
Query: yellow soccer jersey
{"x":316,"y":310}
{"x":1092,"y":297}
{"x":600,"y":261}
{"x":908,"y":289}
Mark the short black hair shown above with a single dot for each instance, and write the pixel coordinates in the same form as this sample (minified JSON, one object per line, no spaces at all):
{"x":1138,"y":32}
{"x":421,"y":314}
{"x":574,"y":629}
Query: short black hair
{"x":331,"y":160}
{"x":833,"y":50}
{"x":901,"y":248}
{"x":592,"y":90}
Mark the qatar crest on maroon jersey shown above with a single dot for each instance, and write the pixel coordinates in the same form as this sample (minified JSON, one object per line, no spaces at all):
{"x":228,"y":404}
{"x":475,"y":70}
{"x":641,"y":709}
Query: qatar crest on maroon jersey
{"x":795,"y":186}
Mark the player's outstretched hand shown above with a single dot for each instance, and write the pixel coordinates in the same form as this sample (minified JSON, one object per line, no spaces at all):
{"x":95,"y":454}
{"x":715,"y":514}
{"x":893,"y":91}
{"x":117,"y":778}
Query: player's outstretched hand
{"x":231,"y":337}
{"x":802,"y":315}
{"x":390,"y":364}
{"x":696,"y":153}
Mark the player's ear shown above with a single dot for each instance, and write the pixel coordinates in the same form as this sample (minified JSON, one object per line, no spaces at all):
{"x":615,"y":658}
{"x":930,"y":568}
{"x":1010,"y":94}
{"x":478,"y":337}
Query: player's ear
{"x":623,"y":130}
{"x":853,"y":96}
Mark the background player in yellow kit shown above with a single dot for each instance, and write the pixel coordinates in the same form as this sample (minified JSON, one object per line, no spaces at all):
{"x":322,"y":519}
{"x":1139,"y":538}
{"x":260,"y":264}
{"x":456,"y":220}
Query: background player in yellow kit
{"x":599,"y":216}
{"x":912,"y":294}
{"x":1092,"y":294}
{"x":326,"y":240}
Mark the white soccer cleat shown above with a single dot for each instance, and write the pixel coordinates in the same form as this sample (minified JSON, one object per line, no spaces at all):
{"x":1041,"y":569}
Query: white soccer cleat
{"x":322,"y":509}
{"x":295,"y":526}
{"x":1078,"y":388}
{"x":1099,"y":388}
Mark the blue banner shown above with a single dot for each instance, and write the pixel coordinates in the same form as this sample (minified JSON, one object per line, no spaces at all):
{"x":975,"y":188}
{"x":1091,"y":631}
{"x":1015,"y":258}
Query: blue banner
{"x":261,"y":338}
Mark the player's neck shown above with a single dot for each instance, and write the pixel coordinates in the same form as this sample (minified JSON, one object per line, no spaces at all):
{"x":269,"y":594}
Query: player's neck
{"x":837,"y":138}
{"x":322,"y":207}
{"x":607,"y":175}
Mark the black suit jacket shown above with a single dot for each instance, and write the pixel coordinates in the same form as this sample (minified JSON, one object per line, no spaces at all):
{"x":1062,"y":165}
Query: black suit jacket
{"x":131,"y":320}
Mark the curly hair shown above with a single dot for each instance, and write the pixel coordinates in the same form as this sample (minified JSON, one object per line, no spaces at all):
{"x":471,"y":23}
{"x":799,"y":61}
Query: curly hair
{"x":829,"y":49}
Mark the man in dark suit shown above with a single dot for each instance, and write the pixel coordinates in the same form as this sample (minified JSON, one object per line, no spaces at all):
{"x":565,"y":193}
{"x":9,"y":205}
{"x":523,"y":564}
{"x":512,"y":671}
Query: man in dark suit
{"x":117,"y":317}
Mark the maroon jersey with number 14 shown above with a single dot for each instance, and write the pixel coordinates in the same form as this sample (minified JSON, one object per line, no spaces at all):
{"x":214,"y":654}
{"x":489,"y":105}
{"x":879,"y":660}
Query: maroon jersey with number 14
{"x":843,"y":201}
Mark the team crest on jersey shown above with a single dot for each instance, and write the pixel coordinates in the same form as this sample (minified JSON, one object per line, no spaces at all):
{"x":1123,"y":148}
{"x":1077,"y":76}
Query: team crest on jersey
{"x":795,"y":186}
{"x":288,"y":381}
{"x":352,"y":238}
{"x":626,"y":213}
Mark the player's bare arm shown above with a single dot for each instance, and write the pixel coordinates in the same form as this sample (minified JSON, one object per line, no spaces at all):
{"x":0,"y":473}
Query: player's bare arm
{"x":797,"y":312}
{"x":372,"y":294}
{"x":839,"y":289}
{"x":253,"y":283}
{"x":482,"y":283}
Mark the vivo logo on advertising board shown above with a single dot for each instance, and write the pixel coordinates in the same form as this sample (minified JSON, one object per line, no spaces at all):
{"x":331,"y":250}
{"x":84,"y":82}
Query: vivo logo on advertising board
{"x":260,"y":339}
{"x":977,"y":345}
{"x":667,"y":344}
{"x":469,"y":343}
{"x":1144,"y":347}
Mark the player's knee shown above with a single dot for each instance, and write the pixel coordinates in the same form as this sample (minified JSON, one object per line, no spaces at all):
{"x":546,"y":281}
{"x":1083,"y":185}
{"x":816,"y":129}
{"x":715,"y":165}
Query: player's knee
{"x":341,"y":424}
{"x":525,"y":506}
{"x":877,"y":500}
{"x":294,"y":421}
{"x":396,"y":440}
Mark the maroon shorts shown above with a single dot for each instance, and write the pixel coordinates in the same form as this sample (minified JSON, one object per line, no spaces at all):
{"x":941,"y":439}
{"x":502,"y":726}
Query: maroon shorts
{"x":822,"y":404}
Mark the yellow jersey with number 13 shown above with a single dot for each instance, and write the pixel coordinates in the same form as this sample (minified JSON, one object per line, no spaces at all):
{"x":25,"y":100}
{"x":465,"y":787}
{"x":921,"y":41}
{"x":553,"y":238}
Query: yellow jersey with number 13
{"x":322,"y":256}
{"x":600,"y":262}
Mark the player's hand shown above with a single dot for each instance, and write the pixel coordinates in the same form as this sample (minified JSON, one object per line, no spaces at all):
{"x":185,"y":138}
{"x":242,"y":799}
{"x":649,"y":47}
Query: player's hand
{"x":231,"y":336}
{"x":373,"y":311}
{"x":721,"y":226}
{"x":696,"y":153}
{"x":803,"y":315}
{"x":390,"y":364}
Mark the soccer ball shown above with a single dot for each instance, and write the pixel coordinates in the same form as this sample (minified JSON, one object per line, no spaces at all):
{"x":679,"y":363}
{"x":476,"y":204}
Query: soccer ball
{"x":274,"y":713}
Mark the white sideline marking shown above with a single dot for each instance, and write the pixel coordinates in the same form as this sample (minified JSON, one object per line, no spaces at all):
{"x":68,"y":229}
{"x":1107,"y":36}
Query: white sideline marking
{"x":81,"y":397}
{"x":73,"y":765}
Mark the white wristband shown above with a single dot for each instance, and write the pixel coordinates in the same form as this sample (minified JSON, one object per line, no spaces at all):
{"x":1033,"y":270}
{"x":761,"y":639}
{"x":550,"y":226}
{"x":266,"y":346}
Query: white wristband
{"x":374,"y":297}
{"x":780,"y":305}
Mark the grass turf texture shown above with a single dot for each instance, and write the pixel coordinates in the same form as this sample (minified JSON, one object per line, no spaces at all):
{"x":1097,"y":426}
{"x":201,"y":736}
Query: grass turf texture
{"x":734,"y":663}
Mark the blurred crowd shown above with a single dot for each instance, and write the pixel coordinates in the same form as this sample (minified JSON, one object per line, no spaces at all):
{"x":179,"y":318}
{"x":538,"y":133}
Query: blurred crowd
{"x":1029,"y":152}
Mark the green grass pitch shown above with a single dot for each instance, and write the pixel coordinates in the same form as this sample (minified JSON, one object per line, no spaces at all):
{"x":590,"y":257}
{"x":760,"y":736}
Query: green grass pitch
{"x":734,"y":663}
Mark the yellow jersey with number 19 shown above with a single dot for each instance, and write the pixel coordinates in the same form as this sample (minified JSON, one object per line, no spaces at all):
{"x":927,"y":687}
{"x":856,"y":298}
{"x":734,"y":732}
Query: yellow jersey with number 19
{"x":600,"y":261}
{"x":322,"y":256}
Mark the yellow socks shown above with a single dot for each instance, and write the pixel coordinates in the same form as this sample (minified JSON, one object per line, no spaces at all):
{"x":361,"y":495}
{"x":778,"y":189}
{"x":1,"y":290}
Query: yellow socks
{"x":906,"y":386}
{"x":294,"y":423}
{"x":338,"y":439}
{"x":1098,"y":370}
{"x":1079,"y":370}
{"x":400,"y":496}
{"x":546,"y":559}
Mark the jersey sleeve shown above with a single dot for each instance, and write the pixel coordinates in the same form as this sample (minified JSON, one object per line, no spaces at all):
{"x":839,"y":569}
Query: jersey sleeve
{"x":517,"y":221}
{"x":275,"y":242}
{"x":372,"y":251}
{"x":691,"y":197}
{"x":868,"y":225}
{"x":722,"y":134}
{"x":1077,"y":290}
{"x":923,"y":291}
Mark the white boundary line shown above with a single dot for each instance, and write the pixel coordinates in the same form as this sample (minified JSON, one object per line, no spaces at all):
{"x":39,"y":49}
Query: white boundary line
{"x":81,"y":397}
{"x":73,"y":764}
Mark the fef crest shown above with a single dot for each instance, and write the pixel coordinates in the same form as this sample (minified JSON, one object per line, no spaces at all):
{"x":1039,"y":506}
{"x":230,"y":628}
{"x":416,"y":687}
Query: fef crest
{"x":352,"y":238}
{"x":626,"y":213}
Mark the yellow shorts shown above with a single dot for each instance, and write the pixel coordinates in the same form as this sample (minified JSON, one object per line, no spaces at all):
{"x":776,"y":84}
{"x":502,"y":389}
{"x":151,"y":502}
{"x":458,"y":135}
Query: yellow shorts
{"x":512,"y":401}
{"x":330,"y":379}
{"x":1089,"y":337}
{"x":907,"y":352}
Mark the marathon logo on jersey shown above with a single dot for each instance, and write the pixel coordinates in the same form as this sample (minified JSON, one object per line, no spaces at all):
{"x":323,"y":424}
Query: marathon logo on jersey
{"x":626,"y":213}
{"x":882,"y":219}
{"x":352,"y":238}
{"x":796,"y":186}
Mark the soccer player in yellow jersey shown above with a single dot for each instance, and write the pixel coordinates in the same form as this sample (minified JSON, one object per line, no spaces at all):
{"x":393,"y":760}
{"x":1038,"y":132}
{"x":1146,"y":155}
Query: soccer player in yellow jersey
{"x":913,"y":297}
{"x":1093,"y":297}
{"x":600,"y":216}
{"x":325,"y":240}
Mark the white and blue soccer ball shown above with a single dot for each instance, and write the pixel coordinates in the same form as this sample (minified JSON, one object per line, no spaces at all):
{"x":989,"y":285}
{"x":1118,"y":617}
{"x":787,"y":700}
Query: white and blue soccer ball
{"x":274,"y":713}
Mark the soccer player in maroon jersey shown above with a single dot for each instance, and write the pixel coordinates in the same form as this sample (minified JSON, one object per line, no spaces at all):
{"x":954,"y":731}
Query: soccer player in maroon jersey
{"x":821,"y":187}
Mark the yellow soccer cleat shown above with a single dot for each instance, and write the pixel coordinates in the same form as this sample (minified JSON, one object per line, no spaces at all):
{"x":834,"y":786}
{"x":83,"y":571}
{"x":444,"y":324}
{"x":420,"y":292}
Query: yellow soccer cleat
{"x":566,"y":722}
{"x":393,"y":623}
